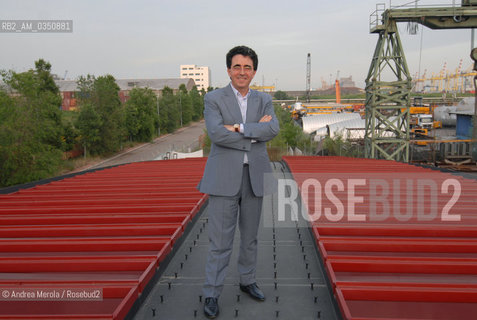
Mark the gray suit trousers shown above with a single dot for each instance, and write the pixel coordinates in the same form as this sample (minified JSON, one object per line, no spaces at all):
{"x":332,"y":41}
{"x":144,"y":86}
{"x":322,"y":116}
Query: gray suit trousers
{"x":223,"y":214}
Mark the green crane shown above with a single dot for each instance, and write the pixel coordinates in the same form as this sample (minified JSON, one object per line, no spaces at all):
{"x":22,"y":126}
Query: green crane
{"x":388,"y":102}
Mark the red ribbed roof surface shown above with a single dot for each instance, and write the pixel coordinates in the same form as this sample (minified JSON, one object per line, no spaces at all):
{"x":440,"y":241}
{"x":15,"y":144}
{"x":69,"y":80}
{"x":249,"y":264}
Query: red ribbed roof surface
{"x":393,"y":269}
{"x":106,"y":230}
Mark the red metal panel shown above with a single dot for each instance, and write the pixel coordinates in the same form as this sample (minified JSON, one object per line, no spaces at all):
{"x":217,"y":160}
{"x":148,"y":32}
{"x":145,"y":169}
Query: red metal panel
{"x":108,"y":229}
{"x":393,"y":269}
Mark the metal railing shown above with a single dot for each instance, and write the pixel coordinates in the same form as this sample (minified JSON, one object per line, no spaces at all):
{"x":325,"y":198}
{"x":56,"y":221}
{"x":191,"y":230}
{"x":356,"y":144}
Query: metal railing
{"x":375,"y":18}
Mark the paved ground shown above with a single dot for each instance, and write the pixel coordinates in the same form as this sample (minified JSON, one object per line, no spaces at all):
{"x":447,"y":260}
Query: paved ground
{"x":183,"y":140}
{"x":289,"y":272}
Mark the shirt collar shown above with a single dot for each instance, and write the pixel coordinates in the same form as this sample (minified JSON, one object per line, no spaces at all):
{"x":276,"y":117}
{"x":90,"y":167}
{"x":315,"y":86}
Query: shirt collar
{"x":238,"y":94}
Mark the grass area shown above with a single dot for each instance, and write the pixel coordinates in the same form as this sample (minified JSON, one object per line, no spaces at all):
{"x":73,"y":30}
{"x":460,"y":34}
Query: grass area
{"x":80,"y":163}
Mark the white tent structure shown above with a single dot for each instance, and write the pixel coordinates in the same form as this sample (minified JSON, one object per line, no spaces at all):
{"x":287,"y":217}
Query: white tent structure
{"x":340,"y":128}
{"x":353,"y":129}
{"x":313,"y":123}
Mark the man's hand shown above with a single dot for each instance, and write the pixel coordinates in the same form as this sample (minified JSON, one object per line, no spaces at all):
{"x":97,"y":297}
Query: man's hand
{"x":266,"y":118}
{"x":229,"y":127}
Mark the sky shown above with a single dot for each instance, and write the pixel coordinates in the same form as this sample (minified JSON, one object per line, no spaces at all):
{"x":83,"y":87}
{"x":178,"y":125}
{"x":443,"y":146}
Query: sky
{"x":151,"y":39}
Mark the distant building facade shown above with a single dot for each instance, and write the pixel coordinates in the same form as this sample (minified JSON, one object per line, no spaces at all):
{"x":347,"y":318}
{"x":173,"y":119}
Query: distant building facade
{"x":69,"y":88}
{"x":347,"y":82}
{"x":201,"y":75}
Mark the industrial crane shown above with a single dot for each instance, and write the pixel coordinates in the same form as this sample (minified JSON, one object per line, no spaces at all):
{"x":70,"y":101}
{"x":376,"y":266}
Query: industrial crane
{"x":388,"y":102}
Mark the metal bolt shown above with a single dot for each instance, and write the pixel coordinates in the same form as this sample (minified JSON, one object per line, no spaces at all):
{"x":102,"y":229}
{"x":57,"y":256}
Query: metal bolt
{"x":319,"y":314}
{"x":169,"y":285}
{"x":238,"y":298}
{"x":308,"y":275}
{"x":274,"y":257}
{"x":275,"y":274}
{"x":190,"y":249}
{"x":186,"y":257}
{"x":276,"y":299}
{"x":306,"y":266}
{"x":275,"y":286}
{"x":197,"y":236}
{"x":312,"y":286}
{"x":195,"y":242}
{"x":316,"y":299}
{"x":274,"y":250}
{"x":200,"y":298}
{"x":182,"y":265}
{"x":175,"y":275}
{"x":274,"y":265}
{"x":304,"y":257}
{"x":195,"y":313}
{"x":153,"y":312}
{"x":277,"y":313}
{"x":236,"y":312}
{"x":162,"y":298}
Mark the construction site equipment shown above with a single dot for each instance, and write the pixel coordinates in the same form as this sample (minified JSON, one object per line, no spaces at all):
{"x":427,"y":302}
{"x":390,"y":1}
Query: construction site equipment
{"x":456,"y":153}
{"x":459,"y":81}
{"x":338,"y":91}
{"x":263,"y":88}
{"x":308,"y":77}
{"x":385,"y":98}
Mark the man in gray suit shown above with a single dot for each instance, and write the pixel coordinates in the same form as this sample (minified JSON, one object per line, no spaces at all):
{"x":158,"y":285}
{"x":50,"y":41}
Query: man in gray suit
{"x":239,"y":122}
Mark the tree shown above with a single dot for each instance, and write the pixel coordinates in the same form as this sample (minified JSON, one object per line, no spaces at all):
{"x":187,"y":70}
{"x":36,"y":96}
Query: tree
{"x":185,"y":105}
{"x":141,"y":114}
{"x":89,"y":125}
{"x":169,"y":115}
{"x":31,"y":127}
{"x":86,"y":88}
{"x":46,"y":81}
{"x":102,"y":94}
{"x":290,"y":135}
{"x":197,"y":104}
{"x":281,"y":95}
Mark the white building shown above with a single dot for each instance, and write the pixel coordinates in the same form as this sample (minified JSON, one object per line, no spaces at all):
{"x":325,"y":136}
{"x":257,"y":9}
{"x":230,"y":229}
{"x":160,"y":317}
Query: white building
{"x":201,"y":75}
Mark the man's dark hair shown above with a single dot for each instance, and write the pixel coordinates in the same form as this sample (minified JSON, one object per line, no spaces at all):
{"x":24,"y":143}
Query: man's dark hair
{"x":244,"y":51}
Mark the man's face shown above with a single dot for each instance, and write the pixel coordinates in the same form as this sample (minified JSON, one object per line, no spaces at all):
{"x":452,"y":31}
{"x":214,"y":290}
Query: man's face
{"x":241,"y":72}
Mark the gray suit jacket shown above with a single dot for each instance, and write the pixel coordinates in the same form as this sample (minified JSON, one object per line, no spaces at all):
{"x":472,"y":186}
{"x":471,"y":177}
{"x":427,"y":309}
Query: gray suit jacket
{"x":223,"y":171}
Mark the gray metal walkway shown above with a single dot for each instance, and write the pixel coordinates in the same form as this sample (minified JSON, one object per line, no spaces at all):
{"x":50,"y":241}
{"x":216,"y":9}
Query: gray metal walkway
{"x":288,"y":272}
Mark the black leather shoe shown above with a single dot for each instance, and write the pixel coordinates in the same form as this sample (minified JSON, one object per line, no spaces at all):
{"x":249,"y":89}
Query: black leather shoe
{"x":211,"y":308}
{"x":254,"y":291}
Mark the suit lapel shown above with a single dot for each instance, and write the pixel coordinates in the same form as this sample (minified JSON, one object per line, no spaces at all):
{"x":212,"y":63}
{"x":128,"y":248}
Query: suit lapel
{"x":252,"y":107}
{"x":231,"y":100}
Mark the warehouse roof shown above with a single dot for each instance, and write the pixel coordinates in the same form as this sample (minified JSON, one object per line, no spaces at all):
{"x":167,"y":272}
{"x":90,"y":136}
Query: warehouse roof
{"x":128,"y":84}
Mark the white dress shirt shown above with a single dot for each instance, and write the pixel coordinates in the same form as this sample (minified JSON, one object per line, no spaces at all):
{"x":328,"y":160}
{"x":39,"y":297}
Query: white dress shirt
{"x":242,"y":102}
